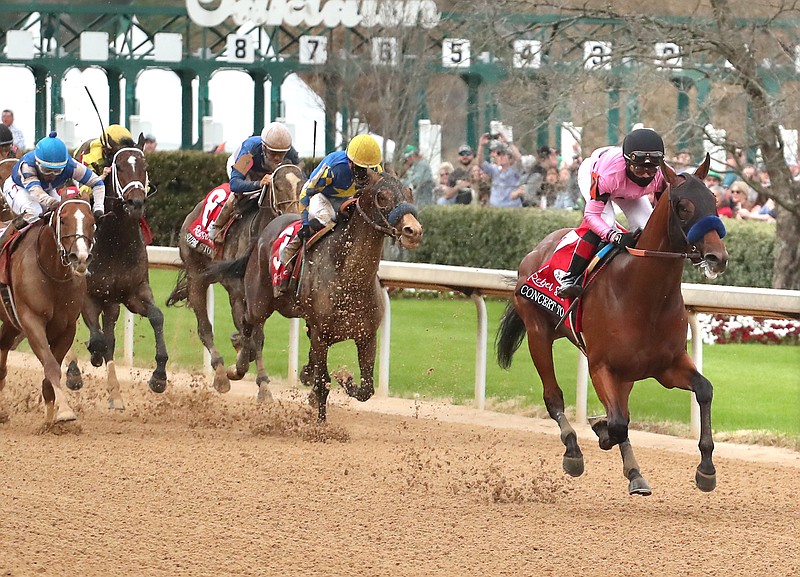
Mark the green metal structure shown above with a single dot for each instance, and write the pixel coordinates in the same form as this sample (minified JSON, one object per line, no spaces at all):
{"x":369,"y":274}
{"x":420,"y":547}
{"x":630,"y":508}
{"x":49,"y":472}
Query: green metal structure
{"x":133,"y":34}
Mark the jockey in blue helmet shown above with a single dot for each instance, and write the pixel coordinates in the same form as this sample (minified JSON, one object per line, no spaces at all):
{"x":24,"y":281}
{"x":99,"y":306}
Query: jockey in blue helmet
{"x":34,"y":184}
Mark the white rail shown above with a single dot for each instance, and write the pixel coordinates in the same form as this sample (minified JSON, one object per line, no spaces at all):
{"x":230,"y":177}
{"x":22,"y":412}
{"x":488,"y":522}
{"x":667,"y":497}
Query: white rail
{"x":477,"y":283}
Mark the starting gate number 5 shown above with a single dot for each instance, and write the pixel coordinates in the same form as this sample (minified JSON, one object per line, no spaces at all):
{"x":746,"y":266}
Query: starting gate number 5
{"x":455,"y":53}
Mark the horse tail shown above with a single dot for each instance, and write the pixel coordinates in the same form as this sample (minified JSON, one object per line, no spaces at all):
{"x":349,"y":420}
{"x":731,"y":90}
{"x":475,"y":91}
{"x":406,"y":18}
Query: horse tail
{"x":509,"y":336}
{"x":181,"y":291}
{"x":227,"y":269}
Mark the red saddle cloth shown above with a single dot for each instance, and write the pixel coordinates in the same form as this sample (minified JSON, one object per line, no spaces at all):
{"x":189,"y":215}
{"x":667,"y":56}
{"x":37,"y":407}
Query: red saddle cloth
{"x":277,"y":270}
{"x":541,"y":286}
{"x":212,"y":206}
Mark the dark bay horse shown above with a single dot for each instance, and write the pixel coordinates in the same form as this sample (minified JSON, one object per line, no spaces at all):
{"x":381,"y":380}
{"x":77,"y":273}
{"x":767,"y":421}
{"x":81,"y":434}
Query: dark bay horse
{"x":119,"y":271}
{"x":46,"y":276}
{"x":281,"y":197}
{"x":634,"y":323}
{"x":339,"y":295}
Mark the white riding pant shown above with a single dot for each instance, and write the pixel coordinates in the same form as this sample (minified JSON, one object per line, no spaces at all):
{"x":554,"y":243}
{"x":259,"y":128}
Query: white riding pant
{"x":322,"y":208}
{"x":636,"y":210}
{"x":20,"y":201}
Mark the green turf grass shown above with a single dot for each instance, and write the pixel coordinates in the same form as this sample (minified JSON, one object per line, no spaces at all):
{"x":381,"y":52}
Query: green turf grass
{"x":433,"y":356}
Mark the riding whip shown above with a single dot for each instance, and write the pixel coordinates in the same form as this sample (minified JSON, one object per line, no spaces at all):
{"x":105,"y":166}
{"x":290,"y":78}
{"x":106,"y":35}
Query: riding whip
{"x":102,"y":128}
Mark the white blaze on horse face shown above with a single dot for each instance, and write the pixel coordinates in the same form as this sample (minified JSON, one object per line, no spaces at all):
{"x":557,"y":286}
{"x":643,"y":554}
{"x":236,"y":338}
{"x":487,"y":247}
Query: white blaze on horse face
{"x":81,"y":244}
{"x":132,"y":162}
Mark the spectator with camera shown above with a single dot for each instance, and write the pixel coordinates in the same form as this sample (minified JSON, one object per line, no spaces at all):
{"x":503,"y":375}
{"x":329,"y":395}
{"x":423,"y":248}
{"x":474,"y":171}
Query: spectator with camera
{"x":458,"y":189}
{"x":503,"y":170}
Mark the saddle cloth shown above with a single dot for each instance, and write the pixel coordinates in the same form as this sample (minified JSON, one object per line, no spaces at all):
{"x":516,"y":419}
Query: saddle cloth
{"x":277,"y":270}
{"x":197,"y":235}
{"x":540,"y":287}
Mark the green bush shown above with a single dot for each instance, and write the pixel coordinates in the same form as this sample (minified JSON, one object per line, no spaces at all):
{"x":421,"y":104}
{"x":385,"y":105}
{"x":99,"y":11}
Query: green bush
{"x":501,"y":237}
{"x":183,"y":178}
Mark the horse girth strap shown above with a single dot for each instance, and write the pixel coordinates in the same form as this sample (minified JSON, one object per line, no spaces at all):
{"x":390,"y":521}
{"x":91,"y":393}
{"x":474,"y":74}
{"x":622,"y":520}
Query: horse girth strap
{"x":662,"y":254}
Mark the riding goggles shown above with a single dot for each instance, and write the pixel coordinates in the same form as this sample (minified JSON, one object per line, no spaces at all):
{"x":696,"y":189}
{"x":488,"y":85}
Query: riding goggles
{"x":49,"y":171}
{"x":645,"y":158}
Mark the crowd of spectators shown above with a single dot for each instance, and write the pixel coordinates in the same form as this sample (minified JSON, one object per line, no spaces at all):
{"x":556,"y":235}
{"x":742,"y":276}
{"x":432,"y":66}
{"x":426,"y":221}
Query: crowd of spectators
{"x":498,"y":174}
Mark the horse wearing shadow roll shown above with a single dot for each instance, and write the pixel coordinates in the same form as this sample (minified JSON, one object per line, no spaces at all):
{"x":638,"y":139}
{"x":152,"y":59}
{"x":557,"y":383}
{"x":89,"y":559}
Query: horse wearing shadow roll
{"x":119,"y":270}
{"x":338,"y":295}
{"x":634,"y":323}
{"x":43,"y":289}
{"x":282,"y":196}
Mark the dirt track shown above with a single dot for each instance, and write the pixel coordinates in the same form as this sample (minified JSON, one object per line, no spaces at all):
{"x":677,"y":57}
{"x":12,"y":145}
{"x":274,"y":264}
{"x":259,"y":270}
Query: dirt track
{"x":190,"y":483}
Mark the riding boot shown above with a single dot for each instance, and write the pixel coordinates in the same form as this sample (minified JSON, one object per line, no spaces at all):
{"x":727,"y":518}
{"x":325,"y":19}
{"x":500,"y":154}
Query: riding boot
{"x":571,"y":283}
{"x":17,"y":223}
{"x":224,"y":216}
{"x":287,"y":255}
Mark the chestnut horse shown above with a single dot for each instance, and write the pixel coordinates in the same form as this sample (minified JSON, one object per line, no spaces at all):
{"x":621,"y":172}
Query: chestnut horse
{"x":339,"y":295}
{"x":119,"y":271}
{"x":281,"y":197}
{"x":634,"y":323}
{"x":46,"y":275}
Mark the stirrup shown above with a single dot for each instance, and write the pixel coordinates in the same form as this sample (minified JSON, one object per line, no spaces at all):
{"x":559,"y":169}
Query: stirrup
{"x":571,"y":288}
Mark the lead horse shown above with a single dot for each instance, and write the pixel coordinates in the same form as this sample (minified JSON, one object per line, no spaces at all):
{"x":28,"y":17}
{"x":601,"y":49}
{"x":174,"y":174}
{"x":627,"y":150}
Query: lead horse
{"x":119,"y":271}
{"x":280,"y":197}
{"x":339,"y":295}
{"x":45,"y":279}
{"x":634,"y":323}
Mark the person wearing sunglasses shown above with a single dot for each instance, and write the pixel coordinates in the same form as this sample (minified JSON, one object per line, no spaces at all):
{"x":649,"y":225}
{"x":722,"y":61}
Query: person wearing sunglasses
{"x":36,"y":179}
{"x":626,"y":175}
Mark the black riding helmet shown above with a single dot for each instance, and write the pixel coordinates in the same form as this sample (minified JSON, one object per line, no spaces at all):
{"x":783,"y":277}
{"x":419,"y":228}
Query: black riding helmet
{"x":642,"y":148}
{"x":5,"y":135}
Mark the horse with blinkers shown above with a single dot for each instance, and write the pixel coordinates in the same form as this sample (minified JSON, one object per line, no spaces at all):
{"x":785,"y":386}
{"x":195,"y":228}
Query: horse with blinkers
{"x":339,"y":294}
{"x":634,"y":322}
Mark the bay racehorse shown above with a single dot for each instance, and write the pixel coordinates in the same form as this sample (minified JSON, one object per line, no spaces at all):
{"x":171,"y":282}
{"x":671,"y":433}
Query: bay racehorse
{"x":119,"y":271}
{"x":634,"y":323}
{"x":44,"y":280}
{"x":339,"y":295}
{"x":279,"y":198}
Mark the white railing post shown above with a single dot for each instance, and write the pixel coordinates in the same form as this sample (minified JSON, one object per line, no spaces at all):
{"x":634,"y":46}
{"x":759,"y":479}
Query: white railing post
{"x":128,"y":345}
{"x":582,"y":389}
{"x":385,"y":345}
{"x":210,"y":313}
{"x":697,"y":357}
{"x":294,"y":351}
{"x":480,"y":351}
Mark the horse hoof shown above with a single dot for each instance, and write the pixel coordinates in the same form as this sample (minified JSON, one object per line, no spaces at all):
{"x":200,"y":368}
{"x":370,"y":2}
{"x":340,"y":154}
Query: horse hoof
{"x":705,"y":483}
{"x":638,"y":486}
{"x":222,"y":384}
{"x":573,"y":466}
{"x":116,"y":404}
{"x":74,"y":379}
{"x":158,"y":384}
{"x":264,"y":396}
{"x":97,"y":360}
{"x":65,"y":416}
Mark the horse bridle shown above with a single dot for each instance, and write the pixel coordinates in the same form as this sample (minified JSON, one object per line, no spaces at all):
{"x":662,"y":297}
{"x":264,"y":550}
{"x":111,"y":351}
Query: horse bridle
{"x":55,"y":224}
{"x":118,"y":187}
{"x":388,"y":227}
{"x":696,"y":232}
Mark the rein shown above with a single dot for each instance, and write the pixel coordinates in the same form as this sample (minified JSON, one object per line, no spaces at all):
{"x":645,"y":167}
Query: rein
{"x":662,"y":254}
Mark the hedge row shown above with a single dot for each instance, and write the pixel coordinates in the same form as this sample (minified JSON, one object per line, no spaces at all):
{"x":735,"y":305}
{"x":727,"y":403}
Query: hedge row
{"x":454,"y":235}
{"x":500,"y":238}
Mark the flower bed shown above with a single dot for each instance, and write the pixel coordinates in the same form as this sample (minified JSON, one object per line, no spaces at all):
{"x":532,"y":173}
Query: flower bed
{"x":721,"y":329}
